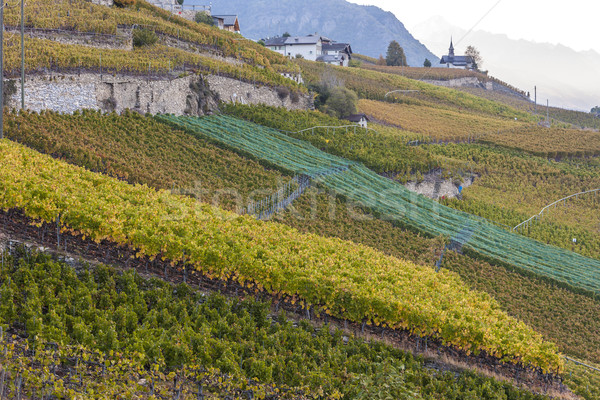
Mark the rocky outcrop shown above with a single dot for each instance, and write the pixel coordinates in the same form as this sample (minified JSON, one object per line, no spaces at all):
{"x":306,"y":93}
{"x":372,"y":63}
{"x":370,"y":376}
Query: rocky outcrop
{"x":108,"y":3}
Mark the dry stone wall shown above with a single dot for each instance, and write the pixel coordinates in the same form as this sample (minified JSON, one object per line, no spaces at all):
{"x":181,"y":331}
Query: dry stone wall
{"x":232,"y":90}
{"x":189,"y":95}
{"x":474,"y":82}
{"x":459,"y":82}
{"x":90,"y":39}
{"x":108,"y":3}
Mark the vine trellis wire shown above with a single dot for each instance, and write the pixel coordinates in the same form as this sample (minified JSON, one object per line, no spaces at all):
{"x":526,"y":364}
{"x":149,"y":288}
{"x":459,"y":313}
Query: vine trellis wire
{"x":537,"y":217}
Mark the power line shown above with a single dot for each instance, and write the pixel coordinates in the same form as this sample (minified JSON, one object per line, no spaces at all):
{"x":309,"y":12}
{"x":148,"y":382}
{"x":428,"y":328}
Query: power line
{"x":478,"y":21}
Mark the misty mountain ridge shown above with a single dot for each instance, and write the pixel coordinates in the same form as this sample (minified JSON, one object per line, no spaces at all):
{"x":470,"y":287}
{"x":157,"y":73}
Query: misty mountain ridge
{"x":368,"y":29}
{"x":567,"y":78}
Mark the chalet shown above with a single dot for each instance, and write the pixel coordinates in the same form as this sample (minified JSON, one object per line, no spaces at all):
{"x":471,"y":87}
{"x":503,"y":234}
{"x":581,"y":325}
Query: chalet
{"x":309,"y":47}
{"x":335,"y":53}
{"x":312,"y":47}
{"x":452,"y":61}
{"x":360,"y":119}
{"x":218,"y":21}
{"x":227,"y":22}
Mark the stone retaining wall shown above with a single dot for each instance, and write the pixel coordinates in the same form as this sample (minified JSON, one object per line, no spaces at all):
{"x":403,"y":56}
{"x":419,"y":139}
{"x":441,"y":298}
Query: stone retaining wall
{"x":231,"y":90}
{"x":90,"y":39}
{"x":474,"y":82}
{"x":108,"y":3}
{"x":459,"y":82}
{"x":189,"y":95}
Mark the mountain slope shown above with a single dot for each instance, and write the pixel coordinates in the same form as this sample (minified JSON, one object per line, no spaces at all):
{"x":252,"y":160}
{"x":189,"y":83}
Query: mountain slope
{"x":368,"y":29}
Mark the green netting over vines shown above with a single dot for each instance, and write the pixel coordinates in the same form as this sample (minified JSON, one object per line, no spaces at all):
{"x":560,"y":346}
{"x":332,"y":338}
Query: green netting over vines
{"x":393,"y":201}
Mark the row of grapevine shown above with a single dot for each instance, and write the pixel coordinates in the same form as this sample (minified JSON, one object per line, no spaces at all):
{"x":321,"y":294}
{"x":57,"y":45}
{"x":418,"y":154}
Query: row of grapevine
{"x":394,"y":201}
{"x":42,"y":55}
{"x":81,"y":16}
{"x":351,"y":281}
{"x":375,"y":85}
{"x":540,"y":304}
{"x":48,"y":370}
{"x":382,"y":149}
{"x":137,"y":337}
{"x":513,"y":185}
{"x":434,"y":122}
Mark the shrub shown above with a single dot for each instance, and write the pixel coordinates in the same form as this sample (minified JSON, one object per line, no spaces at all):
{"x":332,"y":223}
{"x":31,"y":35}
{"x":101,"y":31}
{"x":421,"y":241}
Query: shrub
{"x":294,"y":96}
{"x":341,"y":102}
{"x":124,"y":3}
{"x":282,"y":92}
{"x":144,"y":37}
{"x":204,"y":18}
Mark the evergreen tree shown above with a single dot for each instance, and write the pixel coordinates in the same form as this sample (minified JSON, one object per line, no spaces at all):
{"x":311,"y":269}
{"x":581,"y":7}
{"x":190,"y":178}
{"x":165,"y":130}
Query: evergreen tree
{"x":395,"y":55}
{"x":427,"y":63}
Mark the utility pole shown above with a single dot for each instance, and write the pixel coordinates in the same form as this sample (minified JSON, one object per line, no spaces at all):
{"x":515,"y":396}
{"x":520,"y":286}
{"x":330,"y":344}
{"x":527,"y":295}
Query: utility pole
{"x":22,"y":54}
{"x":535,"y":98}
{"x":547,"y":112}
{"x":1,"y":71}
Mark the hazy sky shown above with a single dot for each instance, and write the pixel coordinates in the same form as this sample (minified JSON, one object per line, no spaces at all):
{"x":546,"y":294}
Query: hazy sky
{"x":574,"y":23}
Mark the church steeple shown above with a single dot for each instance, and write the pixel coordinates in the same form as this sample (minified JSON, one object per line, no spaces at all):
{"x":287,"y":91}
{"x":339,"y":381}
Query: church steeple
{"x":451,"y":50}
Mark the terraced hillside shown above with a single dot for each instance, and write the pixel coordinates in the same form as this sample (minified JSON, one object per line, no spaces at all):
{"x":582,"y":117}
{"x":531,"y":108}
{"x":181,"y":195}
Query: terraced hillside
{"x":535,"y":321}
{"x":494,"y":195}
{"x":355,"y":249}
{"x":260,"y":256}
{"x":196,"y":345}
{"x":311,"y":213}
{"x":141,"y":150}
{"x":182,"y":46}
{"x":394,"y":201}
{"x":374,"y":85}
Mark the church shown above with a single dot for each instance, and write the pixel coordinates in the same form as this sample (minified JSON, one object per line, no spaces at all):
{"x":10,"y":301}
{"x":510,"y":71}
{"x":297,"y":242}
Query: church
{"x":452,"y":61}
